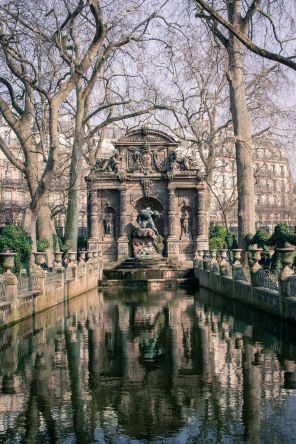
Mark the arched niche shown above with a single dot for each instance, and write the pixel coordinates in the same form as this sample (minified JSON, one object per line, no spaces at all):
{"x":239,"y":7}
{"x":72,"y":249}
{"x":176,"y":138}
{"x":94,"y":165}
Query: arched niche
{"x":155,"y":205}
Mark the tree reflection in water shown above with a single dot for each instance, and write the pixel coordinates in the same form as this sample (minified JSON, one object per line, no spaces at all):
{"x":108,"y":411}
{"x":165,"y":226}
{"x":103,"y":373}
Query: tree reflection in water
{"x":157,"y":366}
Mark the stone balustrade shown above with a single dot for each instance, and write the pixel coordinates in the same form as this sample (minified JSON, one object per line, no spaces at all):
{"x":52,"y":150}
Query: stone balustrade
{"x":23,"y":296}
{"x":257,"y":287}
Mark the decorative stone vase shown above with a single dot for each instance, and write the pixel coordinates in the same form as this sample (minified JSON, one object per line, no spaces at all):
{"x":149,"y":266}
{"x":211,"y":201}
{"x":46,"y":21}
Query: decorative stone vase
{"x":38,"y":258}
{"x":213,"y":253}
{"x":89,"y":255}
{"x":72,"y":258}
{"x":237,"y":256}
{"x":223,"y":262}
{"x":256,"y":258}
{"x":82,"y":255}
{"x":286,"y":261}
{"x":213,"y":261}
{"x":223,"y":252}
{"x":206,"y":260}
{"x":95,"y":254}
{"x":58,"y":257}
{"x":200,"y":258}
{"x":7,"y":262}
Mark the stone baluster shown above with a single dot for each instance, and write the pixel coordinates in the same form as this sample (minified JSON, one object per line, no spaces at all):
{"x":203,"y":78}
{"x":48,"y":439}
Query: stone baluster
{"x":93,"y":215}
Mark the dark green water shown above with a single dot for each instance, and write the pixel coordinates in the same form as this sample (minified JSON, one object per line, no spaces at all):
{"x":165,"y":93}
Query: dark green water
{"x":159,"y":366}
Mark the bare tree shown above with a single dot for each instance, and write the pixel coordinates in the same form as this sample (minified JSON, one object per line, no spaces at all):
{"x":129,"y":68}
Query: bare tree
{"x":269,"y":11}
{"x":49,"y":52}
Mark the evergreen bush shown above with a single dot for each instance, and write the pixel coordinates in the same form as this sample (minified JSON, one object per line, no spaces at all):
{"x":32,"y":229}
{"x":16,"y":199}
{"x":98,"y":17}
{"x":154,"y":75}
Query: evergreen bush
{"x":16,"y":240}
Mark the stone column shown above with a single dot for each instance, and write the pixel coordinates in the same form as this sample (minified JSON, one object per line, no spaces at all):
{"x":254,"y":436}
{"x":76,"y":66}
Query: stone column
{"x":172,"y":242}
{"x":122,"y":241}
{"x":202,"y":242}
{"x":93,"y":215}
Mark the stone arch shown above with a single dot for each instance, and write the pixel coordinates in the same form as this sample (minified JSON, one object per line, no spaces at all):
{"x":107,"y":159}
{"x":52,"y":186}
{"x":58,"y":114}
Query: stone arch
{"x":155,"y":205}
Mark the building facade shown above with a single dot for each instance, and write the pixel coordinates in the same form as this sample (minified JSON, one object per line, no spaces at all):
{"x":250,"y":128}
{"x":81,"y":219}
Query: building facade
{"x":146,"y":171}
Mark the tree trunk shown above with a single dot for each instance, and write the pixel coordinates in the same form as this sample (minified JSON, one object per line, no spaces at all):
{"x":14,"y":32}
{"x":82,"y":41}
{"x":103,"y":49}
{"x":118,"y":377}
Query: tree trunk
{"x":45,"y":229}
{"x":243,"y":137}
{"x":73,"y":207}
{"x":43,"y":225}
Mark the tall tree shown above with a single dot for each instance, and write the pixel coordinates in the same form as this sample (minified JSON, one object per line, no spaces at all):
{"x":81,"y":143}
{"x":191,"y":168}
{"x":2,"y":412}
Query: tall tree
{"x":269,"y":11}
{"x":239,"y":111}
{"x":50,"y":51}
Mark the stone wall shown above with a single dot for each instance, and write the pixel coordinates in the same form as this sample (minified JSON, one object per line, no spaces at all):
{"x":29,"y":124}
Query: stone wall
{"x":24,"y":297}
{"x":256,"y":287}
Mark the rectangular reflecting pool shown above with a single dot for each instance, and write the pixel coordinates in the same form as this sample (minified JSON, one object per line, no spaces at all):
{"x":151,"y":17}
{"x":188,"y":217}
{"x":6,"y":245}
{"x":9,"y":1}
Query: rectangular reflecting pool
{"x":163,"y":366}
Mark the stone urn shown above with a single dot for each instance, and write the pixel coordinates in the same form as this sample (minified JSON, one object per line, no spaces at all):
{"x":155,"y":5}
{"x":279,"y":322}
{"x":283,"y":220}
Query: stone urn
{"x":38,"y":258}
{"x":7,"y":262}
{"x":237,"y":252}
{"x":256,"y":258}
{"x":58,"y":257}
{"x":72,"y":258}
{"x":213,"y":261}
{"x":82,"y":255}
{"x":89,"y":255}
{"x":200,"y":258}
{"x":286,"y":261}
{"x":213,"y":253}
{"x":206,"y":260}
{"x":223,"y":262}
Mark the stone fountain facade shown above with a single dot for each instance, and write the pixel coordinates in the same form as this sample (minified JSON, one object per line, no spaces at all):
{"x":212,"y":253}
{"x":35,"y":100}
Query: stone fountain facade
{"x":146,"y":171}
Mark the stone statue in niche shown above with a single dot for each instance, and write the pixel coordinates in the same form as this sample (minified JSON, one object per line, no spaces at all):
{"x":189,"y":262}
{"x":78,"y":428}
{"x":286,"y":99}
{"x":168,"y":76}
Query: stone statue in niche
{"x":108,"y":224}
{"x":146,"y":241}
{"x":185,"y":223}
{"x":146,"y":217}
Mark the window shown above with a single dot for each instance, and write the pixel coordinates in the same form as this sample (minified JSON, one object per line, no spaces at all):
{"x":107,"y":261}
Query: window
{"x":8,"y":174}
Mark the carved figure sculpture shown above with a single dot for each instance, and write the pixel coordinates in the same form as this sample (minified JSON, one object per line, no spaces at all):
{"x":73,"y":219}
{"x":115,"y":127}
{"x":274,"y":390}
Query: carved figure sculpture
{"x":108,"y":223}
{"x":185,"y":223}
{"x":146,"y":183}
{"x":146,"y":218}
{"x":115,"y":163}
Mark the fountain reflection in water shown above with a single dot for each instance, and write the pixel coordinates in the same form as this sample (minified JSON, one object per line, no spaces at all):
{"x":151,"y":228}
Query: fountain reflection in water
{"x":148,"y":366}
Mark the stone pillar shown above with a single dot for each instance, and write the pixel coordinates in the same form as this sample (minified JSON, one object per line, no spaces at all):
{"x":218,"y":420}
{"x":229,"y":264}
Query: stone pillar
{"x":172,"y":241}
{"x":202,"y":241}
{"x":122,"y":241}
{"x":93,"y":215}
{"x":11,"y":293}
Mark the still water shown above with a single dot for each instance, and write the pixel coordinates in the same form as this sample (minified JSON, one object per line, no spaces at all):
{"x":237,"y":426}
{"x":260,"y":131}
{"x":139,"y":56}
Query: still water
{"x":148,"y":366}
